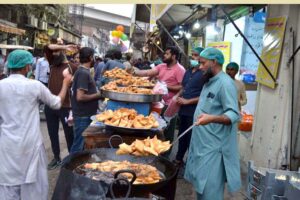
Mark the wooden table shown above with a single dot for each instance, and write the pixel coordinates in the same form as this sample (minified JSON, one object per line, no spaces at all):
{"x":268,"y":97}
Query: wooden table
{"x":98,"y":137}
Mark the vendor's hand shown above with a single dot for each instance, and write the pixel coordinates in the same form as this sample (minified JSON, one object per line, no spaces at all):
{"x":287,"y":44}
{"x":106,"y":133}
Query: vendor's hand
{"x":71,"y":47}
{"x":182,"y":101}
{"x":204,"y":119}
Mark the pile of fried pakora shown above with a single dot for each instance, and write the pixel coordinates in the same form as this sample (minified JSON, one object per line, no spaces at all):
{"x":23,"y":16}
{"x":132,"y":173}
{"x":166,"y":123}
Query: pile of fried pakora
{"x":113,"y":86}
{"x":144,"y":147}
{"x":127,"y":118}
{"x":145,"y":174}
{"x":126,"y":79}
{"x":135,"y":81}
{"x":117,"y":73}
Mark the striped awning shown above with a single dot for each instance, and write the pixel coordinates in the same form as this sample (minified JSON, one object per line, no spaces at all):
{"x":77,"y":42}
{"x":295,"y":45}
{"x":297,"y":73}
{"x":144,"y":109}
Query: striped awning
{"x":9,"y":29}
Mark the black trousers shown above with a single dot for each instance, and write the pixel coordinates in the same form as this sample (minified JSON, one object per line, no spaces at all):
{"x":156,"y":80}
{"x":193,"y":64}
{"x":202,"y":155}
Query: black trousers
{"x":169,"y":132}
{"x":184,"y":142}
{"x":53,"y":117}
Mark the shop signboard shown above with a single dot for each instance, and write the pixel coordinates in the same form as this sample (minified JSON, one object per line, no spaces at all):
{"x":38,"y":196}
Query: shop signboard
{"x":254,"y":32}
{"x":272,"y":48}
{"x":225,"y":47}
{"x":193,"y":43}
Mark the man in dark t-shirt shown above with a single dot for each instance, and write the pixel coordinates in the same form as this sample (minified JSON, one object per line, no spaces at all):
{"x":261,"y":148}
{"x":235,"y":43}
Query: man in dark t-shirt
{"x":187,"y":98}
{"x":84,"y":97}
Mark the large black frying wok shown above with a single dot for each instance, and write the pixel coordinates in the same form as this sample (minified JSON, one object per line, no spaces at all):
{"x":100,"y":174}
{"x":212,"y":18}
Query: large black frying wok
{"x":165,"y":167}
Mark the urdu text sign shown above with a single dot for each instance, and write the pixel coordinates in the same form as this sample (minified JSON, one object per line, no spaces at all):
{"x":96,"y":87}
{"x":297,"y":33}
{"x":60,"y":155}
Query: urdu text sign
{"x":225,"y":47}
{"x":271,"y":53}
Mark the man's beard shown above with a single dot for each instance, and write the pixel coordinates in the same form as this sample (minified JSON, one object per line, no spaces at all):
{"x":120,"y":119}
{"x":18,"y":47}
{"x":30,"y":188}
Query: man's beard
{"x":58,"y":59}
{"x":207,"y":74}
{"x":167,"y":60}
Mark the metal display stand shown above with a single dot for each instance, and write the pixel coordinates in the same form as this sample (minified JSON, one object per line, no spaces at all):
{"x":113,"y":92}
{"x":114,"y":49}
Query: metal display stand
{"x":271,"y":184}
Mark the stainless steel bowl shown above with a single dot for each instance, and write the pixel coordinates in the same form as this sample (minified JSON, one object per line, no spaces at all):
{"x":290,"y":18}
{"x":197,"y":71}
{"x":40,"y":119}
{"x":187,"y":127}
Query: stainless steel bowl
{"x":139,"y":98}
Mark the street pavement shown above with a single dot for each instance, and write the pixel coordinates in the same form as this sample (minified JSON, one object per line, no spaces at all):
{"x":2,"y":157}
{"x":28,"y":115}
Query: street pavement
{"x":184,"y":190}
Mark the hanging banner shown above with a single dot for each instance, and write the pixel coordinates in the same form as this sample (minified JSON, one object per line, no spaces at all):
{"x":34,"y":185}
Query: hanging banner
{"x":271,"y":53}
{"x":193,"y":43}
{"x":225,"y":47}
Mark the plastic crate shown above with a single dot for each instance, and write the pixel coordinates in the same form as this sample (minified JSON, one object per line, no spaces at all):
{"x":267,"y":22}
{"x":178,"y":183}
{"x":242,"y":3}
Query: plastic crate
{"x":292,"y":189}
{"x":253,"y":192}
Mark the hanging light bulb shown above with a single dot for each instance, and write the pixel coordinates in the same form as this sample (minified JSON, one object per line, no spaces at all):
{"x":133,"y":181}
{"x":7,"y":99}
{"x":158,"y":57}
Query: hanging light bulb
{"x":188,"y":35}
{"x":180,"y":32}
{"x":196,"y":25}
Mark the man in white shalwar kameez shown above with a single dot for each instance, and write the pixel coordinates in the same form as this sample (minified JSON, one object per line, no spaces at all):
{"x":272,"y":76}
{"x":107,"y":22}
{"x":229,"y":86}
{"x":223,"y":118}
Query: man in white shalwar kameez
{"x":23,"y":160}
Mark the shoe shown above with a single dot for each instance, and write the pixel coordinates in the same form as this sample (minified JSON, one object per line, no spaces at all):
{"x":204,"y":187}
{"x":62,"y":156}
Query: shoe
{"x":54,"y":164}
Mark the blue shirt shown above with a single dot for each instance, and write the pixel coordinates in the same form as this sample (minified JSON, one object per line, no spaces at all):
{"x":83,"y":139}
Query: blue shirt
{"x":42,"y":70}
{"x":111,"y":64}
{"x":192,"y":85}
{"x":98,"y":72}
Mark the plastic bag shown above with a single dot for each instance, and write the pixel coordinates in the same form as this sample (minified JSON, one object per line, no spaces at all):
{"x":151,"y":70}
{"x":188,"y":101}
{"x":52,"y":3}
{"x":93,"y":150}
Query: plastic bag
{"x":102,"y":104}
{"x":160,"y":88}
{"x":246,"y":122}
{"x":162,"y":123}
{"x":157,"y":107}
{"x":172,"y":109}
{"x":70,"y":119}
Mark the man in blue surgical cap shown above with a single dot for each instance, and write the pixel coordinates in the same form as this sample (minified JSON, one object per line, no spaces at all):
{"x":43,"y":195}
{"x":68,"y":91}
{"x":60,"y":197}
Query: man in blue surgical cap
{"x":23,"y":168}
{"x":213,"y":157}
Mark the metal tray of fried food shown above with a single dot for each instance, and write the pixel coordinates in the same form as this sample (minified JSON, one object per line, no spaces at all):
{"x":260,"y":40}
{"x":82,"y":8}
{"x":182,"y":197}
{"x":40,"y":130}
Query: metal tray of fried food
{"x":131,"y":97}
{"x":139,"y":86}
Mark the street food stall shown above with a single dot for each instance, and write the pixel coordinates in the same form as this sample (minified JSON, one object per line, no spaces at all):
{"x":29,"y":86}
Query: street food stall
{"x":127,"y":121}
{"x":129,"y":106}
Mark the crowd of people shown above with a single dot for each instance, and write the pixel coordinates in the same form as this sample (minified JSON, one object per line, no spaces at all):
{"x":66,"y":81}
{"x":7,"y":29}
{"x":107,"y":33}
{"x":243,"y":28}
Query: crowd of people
{"x":68,"y":85}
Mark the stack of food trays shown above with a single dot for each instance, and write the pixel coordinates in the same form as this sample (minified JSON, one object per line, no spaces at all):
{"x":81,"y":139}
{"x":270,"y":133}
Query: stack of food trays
{"x":128,"y":88}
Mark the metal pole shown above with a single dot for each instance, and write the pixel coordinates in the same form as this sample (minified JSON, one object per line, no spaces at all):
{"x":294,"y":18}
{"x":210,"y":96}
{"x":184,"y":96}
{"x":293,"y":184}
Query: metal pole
{"x":253,"y":50}
{"x":158,"y":47}
{"x":139,"y":27}
{"x":164,"y":28}
{"x":292,"y":150}
{"x":294,"y":54}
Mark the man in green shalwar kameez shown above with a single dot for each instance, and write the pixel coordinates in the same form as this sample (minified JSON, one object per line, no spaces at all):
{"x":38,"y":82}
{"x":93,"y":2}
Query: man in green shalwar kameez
{"x":213,"y":156}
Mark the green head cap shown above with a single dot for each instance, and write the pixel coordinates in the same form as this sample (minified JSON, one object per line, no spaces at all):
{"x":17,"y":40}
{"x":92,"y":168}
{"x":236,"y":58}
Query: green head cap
{"x":18,"y":59}
{"x":233,"y":65}
{"x":211,"y":53}
{"x":198,"y":50}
